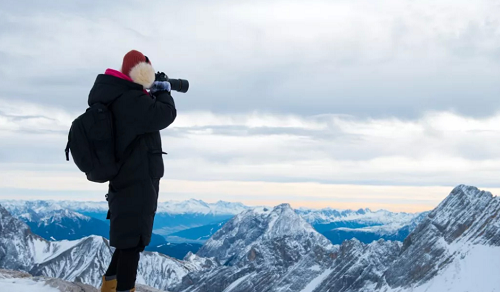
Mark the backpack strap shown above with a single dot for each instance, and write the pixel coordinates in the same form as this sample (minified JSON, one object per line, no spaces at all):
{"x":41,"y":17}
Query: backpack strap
{"x":67,"y":151}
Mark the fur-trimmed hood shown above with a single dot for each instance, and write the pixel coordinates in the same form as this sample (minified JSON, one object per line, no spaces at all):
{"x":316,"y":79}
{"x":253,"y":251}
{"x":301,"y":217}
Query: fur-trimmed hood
{"x":143,"y":74}
{"x":108,"y":87}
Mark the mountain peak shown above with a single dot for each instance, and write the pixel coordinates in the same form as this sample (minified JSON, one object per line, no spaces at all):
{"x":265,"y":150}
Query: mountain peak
{"x":469,"y":192}
{"x":262,"y":227}
{"x":283,"y":206}
{"x":466,"y":217}
{"x":457,"y":211}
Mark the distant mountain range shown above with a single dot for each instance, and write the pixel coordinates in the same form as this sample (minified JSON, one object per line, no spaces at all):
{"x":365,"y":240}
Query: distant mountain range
{"x":364,"y":225}
{"x":52,"y":221}
{"x":170,"y":217}
{"x":455,"y":247}
{"x":372,"y":226}
{"x":188,"y":224}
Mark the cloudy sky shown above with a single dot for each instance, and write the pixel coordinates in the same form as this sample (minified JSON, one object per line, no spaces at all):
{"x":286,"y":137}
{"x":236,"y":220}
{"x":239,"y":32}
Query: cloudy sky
{"x":381,"y":104}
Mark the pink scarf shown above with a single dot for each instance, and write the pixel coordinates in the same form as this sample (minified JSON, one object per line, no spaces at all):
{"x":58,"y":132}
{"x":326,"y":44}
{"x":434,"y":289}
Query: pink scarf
{"x":119,"y":74}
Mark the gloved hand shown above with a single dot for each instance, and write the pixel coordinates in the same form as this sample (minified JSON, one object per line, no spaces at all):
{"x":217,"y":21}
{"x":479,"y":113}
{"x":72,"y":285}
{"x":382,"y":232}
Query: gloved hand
{"x":160,"y":86}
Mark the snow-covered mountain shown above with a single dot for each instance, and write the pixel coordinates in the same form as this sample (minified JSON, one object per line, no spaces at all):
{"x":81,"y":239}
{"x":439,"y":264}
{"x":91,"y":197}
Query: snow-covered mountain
{"x":199,"y":207}
{"x":83,"y":260}
{"x":361,"y":230}
{"x":262,"y":249}
{"x":336,"y":225}
{"x":456,"y":247}
{"x":171,"y":216}
{"x":258,"y":226}
{"x":53,"y":221}
{"x":195,"y":221}
{"x":364,"y":224}
{"x":191,"y":206}
{"x":329,"y":215}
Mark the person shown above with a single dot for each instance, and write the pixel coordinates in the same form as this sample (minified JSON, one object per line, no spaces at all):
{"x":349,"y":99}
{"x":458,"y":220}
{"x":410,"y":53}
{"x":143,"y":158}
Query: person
{"x":138,"y":117}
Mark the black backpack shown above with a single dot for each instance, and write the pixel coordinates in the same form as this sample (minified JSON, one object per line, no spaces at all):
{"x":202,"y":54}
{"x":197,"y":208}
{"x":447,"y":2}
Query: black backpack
{"x":91,"y":140}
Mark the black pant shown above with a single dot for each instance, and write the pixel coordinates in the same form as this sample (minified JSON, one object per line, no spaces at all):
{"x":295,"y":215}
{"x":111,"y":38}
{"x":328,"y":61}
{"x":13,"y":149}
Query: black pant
{"x":124,"y":265}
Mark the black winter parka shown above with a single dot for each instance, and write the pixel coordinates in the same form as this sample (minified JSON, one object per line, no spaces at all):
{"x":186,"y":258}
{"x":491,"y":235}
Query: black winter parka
{"x":133,"y":193}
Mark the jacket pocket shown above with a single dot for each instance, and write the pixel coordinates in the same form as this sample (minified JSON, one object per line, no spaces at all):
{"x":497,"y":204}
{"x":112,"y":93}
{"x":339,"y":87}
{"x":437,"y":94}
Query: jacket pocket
{"x":156,"y":168}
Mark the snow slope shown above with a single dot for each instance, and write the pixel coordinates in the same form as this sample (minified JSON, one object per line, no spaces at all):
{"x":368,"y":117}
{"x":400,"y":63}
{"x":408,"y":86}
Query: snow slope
{"x":476,"y":269}
{"x":25,"y":285}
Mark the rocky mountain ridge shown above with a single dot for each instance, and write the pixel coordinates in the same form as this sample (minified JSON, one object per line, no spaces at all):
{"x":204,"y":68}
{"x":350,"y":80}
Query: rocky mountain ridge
{"x":456,"y":247}
{"x":83,"y":260}
{"x":53,"y":222}
{"x":262,"y":249}
{"x":459,"y":230}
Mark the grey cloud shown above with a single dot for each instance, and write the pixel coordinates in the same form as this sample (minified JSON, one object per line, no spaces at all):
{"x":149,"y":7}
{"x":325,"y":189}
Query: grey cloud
{"x":246,"y":131}
{"x":36,"y":194}
{"x":17,"y":118}
{"x":402,"y":76}
{"x":417,"y":59}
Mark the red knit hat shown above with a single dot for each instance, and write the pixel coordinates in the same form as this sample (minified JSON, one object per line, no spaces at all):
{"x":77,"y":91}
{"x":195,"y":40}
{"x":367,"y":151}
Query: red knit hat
{"x":131,"y":59}
{"x":138,"y":67}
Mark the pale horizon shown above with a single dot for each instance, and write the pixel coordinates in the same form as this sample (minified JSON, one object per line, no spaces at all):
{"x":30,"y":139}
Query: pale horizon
{"x":408,"y":199}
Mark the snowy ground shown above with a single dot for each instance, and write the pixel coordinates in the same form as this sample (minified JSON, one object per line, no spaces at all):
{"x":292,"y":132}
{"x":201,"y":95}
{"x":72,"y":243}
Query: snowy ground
{"x":16,"y":281}
{"x":317,"y":281}
{"x":26,"y":284}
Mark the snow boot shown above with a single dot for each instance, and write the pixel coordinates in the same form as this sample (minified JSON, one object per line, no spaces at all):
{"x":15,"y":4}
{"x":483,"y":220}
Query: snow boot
{"x":131,"y":290}
{"x":108,"y":284}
